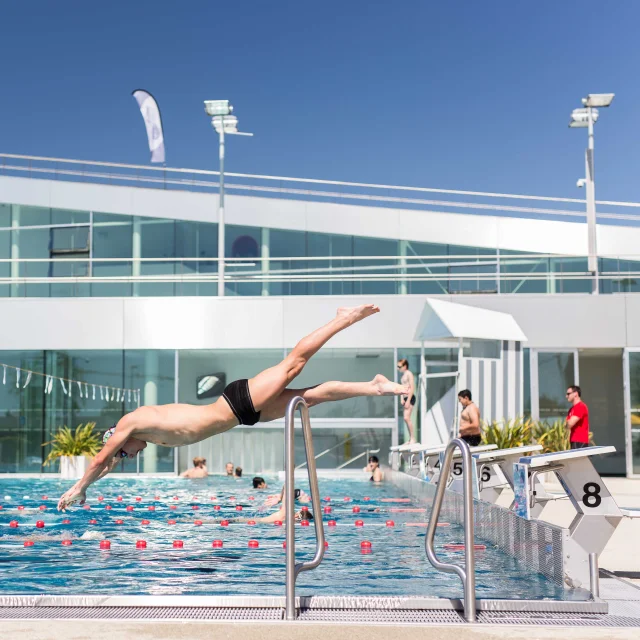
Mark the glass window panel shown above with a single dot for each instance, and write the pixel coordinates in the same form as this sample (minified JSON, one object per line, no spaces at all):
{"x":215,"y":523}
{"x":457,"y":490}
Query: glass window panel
{"x":21,"y":415}
{"x":482,"y":349}
{"x":375,"y":247}
{"x":70,"y":238}
{"x":112,"y":238}
{"x":157,"y":240}
{"x":34,"y":244}
{"x":66,"y":216}
{"x":245,"y":243}
{"x":555,"y":375}
{"x":526,"y":353}
{"x":5,"y":254}
{"x":340,"y":246}
{"x":5,"y":215}
{"x":288,"y":244}
{"x":523,"y":275}
{"x":31,"y":216}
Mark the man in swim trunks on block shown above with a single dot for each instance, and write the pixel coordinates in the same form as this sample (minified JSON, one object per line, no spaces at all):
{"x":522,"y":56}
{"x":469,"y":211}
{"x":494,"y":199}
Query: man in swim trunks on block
{"x":260,"y":399}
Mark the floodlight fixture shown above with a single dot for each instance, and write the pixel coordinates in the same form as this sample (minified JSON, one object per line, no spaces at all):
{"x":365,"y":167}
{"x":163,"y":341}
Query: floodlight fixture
{"x":580,"y":117}
{"x":598,"y":99}
{"x":217,"y":107}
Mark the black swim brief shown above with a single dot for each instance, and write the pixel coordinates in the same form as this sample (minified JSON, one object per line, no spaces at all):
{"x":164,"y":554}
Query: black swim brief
{"x":239,"y":399}
{"x":472,"y":441}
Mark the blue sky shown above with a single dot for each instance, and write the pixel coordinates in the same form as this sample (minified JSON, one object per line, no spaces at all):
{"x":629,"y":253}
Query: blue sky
{"x":456,"y":94}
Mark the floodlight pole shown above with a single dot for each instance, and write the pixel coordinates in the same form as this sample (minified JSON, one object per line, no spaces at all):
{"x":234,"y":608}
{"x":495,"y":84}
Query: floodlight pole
{"x":591,"y":205}
{"x":221,"y":245}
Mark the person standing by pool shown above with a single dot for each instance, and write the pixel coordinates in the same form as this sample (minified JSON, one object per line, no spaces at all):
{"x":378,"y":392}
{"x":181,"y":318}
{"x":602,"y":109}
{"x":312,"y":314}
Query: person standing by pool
{"x":469,"y":420}
{"x":199,"y":469}
{"x":408,"y":401}
{"x":262,"y":399}
{"x":577,"y":419}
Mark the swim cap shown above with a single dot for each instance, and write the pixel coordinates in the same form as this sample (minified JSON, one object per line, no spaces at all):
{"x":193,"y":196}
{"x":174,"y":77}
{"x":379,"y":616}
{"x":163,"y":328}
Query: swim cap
{"x":108,"y":433}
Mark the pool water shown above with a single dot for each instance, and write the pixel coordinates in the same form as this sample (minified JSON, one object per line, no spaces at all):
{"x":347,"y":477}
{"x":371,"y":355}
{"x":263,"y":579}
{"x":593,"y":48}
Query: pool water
{"x":397,"y":564}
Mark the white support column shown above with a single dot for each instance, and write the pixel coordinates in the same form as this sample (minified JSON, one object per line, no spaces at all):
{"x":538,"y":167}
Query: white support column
{"x":151,"y":374}
{"x":404,"y":246}
{"x":15,"y":247}
{"x":264,"y":257}
{"x":136,"y":254}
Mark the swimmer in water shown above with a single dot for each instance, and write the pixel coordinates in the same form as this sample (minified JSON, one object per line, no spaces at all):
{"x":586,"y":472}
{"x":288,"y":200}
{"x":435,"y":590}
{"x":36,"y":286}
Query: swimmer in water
{"x":199,"y":469}
{"x":260,"y":399}
{"x":374,"y":469}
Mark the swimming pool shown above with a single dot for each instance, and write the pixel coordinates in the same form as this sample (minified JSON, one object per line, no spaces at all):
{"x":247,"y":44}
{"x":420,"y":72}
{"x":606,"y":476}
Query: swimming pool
{"x":396,"y":566}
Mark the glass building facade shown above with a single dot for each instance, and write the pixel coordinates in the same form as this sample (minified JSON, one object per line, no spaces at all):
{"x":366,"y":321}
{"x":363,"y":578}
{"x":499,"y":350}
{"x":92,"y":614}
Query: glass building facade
{"x":48,"y":245}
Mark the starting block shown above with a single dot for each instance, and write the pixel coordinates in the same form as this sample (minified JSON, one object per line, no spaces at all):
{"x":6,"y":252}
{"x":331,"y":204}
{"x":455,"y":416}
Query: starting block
{"x":431,"y":459}
{"x":597,"y":514}
{"x":396,"y":453}
{"x":494,"y":473}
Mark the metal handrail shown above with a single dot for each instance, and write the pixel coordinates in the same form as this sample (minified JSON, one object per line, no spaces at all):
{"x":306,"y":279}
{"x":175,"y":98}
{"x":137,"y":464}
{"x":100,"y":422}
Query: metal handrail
{"x":468,"y":574}
{"x":335,"y":446}
{"x":293,"y":569}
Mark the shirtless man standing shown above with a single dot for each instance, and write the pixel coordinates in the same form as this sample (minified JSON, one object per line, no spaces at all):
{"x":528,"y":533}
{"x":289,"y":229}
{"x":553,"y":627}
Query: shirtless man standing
{"x":407,"y":401}
{"x":469,"y":420}
{"x":260,"y":399}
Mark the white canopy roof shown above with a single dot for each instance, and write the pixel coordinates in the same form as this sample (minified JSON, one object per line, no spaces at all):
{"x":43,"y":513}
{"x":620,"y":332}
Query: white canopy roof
{"x":443,"y":320}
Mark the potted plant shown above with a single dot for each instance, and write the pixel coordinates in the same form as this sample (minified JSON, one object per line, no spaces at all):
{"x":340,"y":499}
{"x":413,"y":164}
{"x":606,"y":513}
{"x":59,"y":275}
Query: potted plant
{"x":74,"y":449}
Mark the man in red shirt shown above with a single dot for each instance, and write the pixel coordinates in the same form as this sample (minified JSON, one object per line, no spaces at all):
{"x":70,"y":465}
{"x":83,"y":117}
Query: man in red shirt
{"x":577,"y":419}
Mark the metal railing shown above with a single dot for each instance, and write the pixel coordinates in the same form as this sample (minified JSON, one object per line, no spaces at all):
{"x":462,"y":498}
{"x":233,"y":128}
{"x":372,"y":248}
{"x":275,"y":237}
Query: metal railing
{"x":292,"y":568}
{"x":360,"y":455}
{"x":468,"y":574}
{"x":381,"y":195}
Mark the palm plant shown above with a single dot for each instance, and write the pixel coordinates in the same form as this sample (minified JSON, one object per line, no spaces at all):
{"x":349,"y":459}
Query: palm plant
{"x":84,"y":441}
{"x":507,"y":434}
{"x":554,"y":436}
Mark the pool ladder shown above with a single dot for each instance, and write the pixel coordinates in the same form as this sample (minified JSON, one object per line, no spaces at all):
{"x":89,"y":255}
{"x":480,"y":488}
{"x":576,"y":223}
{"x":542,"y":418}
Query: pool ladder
{"x":294,"y":569}
{"x":468,"y":573}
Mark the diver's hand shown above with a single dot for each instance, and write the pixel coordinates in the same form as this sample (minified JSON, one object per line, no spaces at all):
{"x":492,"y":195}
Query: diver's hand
{"x":271,"y":500}
{"x":70,"y":497}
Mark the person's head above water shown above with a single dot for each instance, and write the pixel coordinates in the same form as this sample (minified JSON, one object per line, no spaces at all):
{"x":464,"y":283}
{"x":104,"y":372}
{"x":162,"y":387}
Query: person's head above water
{"x":199,"y":462}
{"x":374,"y":462}
{"x":130,"y":449}
{"x":259,"y":483}
{"x":229,"y":468}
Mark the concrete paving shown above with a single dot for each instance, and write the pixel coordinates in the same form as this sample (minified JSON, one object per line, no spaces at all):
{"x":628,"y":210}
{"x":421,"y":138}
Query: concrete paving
{"x":199,"y":630}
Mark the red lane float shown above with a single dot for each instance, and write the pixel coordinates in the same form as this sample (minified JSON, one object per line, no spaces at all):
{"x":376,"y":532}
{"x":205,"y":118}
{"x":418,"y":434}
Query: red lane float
{"x":141,"y":544}
{"x":178,"y":544}
{"x":451,"y":546}
{"x":145,"y":522}
{"x":156,"y":497}
{"x":152,"y":507}
{"x":305,"y":508}
{"x":105,"y":544}
{"x":224,"y":523}
{"x":100,"y":498}
{"x":216,"y":507}
{"x":66,"y":521}
{"x":20,"y":508}
{"x":232,"y":497}
{"x":217,"y":544}
{"x":171,"y":521}
{"x":42,"y":507}
{"x":176,"y":498}
{"x":252,"y":497}
{"x":366,"y":498}
{"x":347,"y":499}
{"x":359,"y":523}
{"x":331,"y":523}
{"x":28,"y":543}
{"x":119,"y":521}
{"x":304,"y":523}
{"x":172,"y":506}
{"x":119,"y":498}
{"x":45,"y":497}
{"x":327,"y":499}
{"x":93,"y":521}
{"x":390,"y":523}
{"x":13,"y":524}
{"x":239,"y":508}
{"x":40,"y":524}
{"x":67,"y":543}
{"x":278,"y":523}
{"x":327,"y":510}
{"x":195,"y":507}
{"x":129,"y":507}
{"x":251,"y":523}
{"x":365,"y":546}
{"x":138,"y":499}
{"x":198,"y":523}
{"x":253,"y":544}
{"x":356,"y":509}
{"x":87,"y":507}
{"x":108,"y":507}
